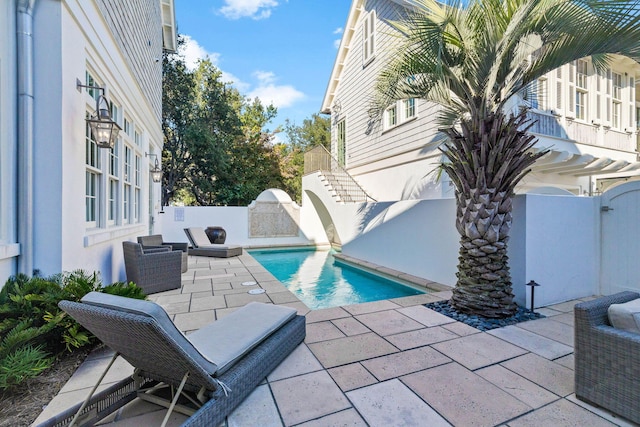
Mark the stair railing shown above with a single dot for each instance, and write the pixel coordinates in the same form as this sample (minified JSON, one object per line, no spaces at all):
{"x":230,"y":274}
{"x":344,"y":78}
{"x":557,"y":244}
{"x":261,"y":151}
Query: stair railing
{"x":320,"y":159}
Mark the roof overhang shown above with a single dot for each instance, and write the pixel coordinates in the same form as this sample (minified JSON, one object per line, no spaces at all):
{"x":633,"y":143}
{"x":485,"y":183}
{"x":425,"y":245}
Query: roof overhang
{"x":357,"y":7}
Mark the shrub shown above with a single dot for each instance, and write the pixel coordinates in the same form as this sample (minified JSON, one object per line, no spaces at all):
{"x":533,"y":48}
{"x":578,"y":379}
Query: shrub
{"x":33,"y":330}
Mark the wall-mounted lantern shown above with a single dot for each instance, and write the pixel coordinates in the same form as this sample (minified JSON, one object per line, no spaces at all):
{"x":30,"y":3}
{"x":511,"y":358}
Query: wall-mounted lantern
{"x":103,"y":128}
{"x":156,"y":172}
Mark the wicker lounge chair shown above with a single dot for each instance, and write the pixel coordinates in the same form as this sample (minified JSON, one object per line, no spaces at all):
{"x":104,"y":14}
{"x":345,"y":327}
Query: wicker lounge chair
{"x":154,"y":270}
{"x":607,"y":359}
{"x":203,"y":247}
{"x":155,"y":241}
{"x":216,"y":366}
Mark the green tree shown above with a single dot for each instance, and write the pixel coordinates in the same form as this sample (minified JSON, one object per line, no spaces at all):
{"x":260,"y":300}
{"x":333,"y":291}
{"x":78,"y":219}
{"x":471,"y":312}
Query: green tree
{"x":217,"y":148}
{"x":253,"y":165}
{"x":216,"y":125}
{"x":314,"y":131}
{"x":472,"y":58}
{"x":178,"y":103}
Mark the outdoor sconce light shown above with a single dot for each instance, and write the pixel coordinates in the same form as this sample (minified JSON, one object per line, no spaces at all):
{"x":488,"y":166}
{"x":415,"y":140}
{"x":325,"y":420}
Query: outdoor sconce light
{"x":156,"y":172}
{"x":103,"y":128}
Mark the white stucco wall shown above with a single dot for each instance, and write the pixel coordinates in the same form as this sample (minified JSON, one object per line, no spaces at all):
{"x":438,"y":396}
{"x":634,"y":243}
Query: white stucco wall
{"x":554,"y":241}
{"x":235,"y":221}
{"x":562,"y":251}
{"x":413,"y":236}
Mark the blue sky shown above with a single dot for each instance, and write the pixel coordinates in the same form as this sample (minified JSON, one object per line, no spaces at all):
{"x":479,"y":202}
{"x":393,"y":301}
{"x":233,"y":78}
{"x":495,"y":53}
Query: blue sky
{"x":281,"y":51}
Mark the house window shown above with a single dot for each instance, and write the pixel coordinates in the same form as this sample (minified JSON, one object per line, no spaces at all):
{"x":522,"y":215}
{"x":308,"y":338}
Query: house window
{"x":91,"y":81}
{"x":92,"y":177}
{"x":369,"y":37}
{"x":128,"y":176}
{"x":341,"y":138}
{"x":615,"y":114}
{"x":137,"y":138}
{"x":409,"y":108}
{"x":559,"y":88}
{"x":127,"y":127}
{"x":581,"y":74}
{"x":114,"y":181}
{"x":392,"y":116}
{"x":581,"y":104}
{"x":113,"y":201}
{"x":616,"y":82}
{"x":137,"y":190}
{"x":398,"y":113}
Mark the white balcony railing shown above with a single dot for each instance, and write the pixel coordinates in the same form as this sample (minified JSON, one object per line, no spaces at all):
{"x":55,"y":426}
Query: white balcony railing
{"x":583,"y":133}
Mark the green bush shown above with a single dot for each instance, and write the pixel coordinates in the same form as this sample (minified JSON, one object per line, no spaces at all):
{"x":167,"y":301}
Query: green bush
{"x":34,"y":331}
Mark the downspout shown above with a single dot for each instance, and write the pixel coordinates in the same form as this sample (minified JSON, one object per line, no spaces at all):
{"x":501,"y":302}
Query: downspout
{"x":24,"y":29}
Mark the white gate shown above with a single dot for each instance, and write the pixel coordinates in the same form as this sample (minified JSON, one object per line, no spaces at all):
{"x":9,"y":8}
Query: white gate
{"x":620,"y":234}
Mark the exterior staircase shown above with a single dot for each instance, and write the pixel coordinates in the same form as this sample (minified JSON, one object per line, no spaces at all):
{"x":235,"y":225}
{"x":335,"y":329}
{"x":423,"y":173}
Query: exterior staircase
{"x":342,"y":186}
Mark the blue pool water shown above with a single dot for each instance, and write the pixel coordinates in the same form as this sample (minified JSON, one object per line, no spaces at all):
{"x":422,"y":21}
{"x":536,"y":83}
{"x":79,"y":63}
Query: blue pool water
{"x":321,"y":282}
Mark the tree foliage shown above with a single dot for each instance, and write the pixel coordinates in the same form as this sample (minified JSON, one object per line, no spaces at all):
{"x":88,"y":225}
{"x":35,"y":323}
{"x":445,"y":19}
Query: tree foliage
{"x":313,"y":131}
{"x":217,"y":148}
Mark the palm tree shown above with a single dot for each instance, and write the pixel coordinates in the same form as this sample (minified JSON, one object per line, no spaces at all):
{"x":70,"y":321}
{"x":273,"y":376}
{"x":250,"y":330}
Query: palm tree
{"x":473,"y":58}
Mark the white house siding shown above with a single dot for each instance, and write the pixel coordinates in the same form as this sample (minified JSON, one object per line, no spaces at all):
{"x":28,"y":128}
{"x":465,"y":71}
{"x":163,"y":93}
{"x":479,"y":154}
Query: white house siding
{"x":367,"y":155}
{"x":9,"y":247}
{"x":136,"y":30}
{"x":120,"y":44}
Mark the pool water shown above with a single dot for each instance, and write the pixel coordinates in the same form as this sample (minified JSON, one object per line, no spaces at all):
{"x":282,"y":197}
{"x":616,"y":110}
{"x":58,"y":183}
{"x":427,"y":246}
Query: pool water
{"x":320,"y":281}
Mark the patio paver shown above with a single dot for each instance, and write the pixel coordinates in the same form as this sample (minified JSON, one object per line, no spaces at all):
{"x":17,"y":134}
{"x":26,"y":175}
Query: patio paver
{"x":391,"y":403}
{"x":535,"y":343}
{"x":552,"y":376}
{"x":389,"y":363}
{"x":463,"y":397}
{"x":561,"y":413}
{"x":479,"y":350}
{"x":306,"y":397}
{"x":342,"y":351}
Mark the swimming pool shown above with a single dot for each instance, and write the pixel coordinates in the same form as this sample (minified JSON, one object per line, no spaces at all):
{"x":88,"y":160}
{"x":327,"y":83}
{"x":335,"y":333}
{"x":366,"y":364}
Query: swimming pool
{"x":320,"y":281}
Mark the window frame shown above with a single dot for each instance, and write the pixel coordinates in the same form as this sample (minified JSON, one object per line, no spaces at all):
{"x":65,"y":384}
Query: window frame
{"x":341,"y":142}
{"x":369,"y":38}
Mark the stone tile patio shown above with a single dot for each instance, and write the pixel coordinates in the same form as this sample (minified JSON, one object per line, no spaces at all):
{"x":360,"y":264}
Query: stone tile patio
{"x":386,"y":363}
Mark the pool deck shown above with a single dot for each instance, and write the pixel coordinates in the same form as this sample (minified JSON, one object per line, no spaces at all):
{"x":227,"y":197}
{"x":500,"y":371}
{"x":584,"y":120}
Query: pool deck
{"x":385,"y":363}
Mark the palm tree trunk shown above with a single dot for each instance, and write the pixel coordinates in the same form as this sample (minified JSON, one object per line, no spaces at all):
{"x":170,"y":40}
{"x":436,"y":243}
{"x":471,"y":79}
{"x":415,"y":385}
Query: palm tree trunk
{"x":487,"y":158}
{"x":484,"y":282}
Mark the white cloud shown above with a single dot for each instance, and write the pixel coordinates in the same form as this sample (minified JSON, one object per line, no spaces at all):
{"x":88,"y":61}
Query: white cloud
{"x":193,"y":52}
{"x":281,"y":96}
{"x":336,"y":42}
{"x":256,"y":9}
{"x":264,"y":77}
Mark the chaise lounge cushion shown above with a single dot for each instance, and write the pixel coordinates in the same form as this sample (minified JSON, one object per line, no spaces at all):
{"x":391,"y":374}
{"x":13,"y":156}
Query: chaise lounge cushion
{"x":218,"y":345}
{"x":203,"y":246}
{"x":625,"y":316}
{"x":157,"y":313}
{"x":239,"y":332}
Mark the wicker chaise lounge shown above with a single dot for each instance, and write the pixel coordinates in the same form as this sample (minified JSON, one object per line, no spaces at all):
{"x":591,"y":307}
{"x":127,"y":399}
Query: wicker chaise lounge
{"x":216,"y":366}
{"x":607,"y":359}
{"x":203,"y":247}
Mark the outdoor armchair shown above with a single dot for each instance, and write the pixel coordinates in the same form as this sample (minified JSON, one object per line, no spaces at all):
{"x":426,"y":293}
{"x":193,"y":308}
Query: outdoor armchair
{"x":216,"y":366}
{"x":607,"y":359}
{"x":156,"y":241}
{"x":202,"y":246}
{"x":154,"y":270}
